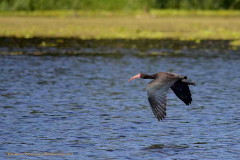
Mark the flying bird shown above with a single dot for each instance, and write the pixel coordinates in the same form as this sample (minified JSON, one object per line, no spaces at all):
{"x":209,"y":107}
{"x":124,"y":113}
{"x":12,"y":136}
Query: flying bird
{"x":157,"y":90}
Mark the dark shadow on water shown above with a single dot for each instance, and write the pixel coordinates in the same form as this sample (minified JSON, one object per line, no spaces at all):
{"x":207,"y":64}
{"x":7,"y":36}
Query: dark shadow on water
{"x":163,"y":147}
{"x":60,"y":46}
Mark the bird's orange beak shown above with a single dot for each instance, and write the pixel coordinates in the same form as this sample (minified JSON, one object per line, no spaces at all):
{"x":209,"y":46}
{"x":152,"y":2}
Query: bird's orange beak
{"x":134,"y":77}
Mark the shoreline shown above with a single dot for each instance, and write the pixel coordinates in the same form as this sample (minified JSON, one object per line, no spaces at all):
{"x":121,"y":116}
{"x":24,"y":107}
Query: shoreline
{"x":139,"y":47}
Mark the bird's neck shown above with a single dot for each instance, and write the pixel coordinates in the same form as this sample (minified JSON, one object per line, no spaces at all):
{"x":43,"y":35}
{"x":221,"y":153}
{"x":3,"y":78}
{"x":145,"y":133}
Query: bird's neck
{"x":146,"y":76}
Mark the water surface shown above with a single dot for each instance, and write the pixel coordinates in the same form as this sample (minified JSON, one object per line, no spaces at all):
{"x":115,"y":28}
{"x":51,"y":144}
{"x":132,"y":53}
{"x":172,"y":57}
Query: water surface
{"x":84,"y":105}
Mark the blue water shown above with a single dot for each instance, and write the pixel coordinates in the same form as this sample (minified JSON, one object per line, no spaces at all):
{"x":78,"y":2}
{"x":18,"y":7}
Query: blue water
{"x":84,"y":106}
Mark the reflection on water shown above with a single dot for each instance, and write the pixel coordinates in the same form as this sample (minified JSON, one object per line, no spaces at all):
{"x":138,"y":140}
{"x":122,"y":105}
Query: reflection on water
{"x":162,"y":146}
{"x":115,"y":47}
{"x":85,"y":106}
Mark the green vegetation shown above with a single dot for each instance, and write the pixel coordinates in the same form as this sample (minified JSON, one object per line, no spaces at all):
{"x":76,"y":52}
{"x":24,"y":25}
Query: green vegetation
{"x":137,"y":13}
{"x":116,"y":5}
{"x":111,"y":5}
{"x":198,"y":4}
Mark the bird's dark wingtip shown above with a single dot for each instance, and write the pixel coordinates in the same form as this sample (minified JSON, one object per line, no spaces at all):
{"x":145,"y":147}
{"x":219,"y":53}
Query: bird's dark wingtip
{"x":188,"y":103}
{"x":160,"y":118}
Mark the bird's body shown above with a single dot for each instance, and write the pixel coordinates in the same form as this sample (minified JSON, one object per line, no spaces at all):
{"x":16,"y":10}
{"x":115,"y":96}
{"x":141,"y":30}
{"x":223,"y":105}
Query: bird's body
{"x":157,"y":90}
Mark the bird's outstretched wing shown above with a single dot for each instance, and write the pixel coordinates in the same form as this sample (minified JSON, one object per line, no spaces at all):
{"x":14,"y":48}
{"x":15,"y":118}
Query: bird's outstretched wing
{"x":157,"y":95}
{"x":182,"y":91}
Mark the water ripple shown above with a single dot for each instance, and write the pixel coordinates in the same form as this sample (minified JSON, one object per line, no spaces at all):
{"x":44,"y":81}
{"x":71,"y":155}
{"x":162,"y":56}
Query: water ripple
{"x":85,"y":106}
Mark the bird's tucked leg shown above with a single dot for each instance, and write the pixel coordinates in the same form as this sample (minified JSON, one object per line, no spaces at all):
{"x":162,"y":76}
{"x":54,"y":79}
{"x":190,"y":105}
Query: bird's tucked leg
{"x":188,"y":82}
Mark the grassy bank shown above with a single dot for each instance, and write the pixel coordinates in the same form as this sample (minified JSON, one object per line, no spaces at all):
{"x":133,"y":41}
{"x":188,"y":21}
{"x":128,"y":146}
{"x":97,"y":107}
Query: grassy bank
{"x":184,"y":25}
